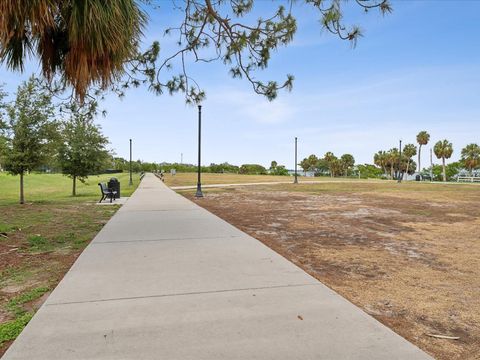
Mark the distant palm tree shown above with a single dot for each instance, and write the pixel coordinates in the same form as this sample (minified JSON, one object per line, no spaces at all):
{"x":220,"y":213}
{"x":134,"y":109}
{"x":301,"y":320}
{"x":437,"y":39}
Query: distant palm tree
{"x":471,"y":157}
{"x":305,"y":165}
{"x":443,"y":150}
{"x":331,"y":159}
{"x":381,"y":159}
{"x":88,"y":42}
{"x":409,"y":151}
{"x":347,"y":162}
{"x":392,"y":160}
{"x":422,"y":139}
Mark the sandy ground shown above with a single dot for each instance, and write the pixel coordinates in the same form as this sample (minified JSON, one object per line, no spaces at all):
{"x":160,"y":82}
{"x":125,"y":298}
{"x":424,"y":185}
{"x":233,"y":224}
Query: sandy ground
{"x":408,"y":255}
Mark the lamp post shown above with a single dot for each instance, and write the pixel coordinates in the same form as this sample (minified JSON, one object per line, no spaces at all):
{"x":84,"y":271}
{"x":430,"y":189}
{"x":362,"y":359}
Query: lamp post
{"x":199,"y":193}
{"x":400,"y":173}
{"x":130,"y":183}
{"x":295,"y":181}
{"x":431,"y":165}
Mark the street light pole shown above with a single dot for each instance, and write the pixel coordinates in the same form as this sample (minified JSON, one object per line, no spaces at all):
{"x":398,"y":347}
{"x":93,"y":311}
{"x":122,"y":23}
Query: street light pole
{"x":130,"y":183}
{"x":431,"y":165}
{"x":400,"y":173}
{"x":199,"y":193}
{"x":296,"y":180}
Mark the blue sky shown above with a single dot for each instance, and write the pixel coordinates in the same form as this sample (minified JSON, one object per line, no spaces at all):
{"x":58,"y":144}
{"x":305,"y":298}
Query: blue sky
{"x":416,"y":69}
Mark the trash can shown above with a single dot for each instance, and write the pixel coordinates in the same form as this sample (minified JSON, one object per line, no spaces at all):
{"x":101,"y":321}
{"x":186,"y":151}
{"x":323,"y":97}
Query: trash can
{"x":114,"y":184}
{"x":418,"y":178}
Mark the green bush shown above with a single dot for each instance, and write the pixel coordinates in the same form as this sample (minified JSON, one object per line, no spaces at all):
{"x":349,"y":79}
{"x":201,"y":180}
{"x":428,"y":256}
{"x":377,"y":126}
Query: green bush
{"x":252,"y":169}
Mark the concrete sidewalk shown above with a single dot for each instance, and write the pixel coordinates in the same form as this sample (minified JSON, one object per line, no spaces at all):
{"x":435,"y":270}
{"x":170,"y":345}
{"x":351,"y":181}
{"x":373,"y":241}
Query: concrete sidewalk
{"x":166,"y":279}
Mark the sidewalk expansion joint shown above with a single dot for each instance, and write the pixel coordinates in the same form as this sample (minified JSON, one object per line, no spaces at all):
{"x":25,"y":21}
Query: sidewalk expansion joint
{"x":168,"y":239}
{"x":181,"y":294}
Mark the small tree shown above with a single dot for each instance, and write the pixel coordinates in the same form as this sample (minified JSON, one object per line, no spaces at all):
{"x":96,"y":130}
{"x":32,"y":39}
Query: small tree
{"x":392,"y":161}
{"x":381,"y":160}
{"x":276,"y":169}
{"x":273,"y":166}
{"x":423,"y":138}
{"x":443,"y":150}
{"x":347,"y":162}
{"x":332,"y":161}
{"x":30,"y":130}
{"x":309,"y":164}
{"x":409,"y":151}
{"x":82,"y":151}
{"x":471,"y":157}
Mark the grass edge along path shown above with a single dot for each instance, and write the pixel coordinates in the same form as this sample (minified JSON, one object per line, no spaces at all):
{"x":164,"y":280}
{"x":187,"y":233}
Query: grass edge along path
{"x":41,"y":239}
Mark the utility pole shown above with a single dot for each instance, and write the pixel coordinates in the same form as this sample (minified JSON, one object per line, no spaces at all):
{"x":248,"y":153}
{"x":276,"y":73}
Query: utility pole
{"x":130,"y":183}
{"x":199,"y":193}
{"x":296,"y":176}
{"x":400,"y":173}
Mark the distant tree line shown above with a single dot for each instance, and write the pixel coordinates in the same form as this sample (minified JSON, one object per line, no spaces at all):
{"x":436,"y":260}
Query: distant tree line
{"x":395,"y":165}
{"x":122,"y":164}
{"x":329,"y":165}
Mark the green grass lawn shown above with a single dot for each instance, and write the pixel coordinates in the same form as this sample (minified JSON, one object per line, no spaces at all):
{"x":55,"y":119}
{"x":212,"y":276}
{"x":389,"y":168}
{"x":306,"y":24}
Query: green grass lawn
{"x":40,"y":240}
{"x":58,"y":188}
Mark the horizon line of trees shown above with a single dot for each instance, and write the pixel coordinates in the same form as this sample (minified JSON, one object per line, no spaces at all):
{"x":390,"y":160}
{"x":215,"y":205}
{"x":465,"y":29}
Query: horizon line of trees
{"x":396,"y":164}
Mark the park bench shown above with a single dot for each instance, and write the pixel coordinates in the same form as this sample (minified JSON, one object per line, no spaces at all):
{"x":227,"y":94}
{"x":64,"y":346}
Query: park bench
{"x":468,"y":179}
{"x":106,"y":192}
{"x":142,"y":174}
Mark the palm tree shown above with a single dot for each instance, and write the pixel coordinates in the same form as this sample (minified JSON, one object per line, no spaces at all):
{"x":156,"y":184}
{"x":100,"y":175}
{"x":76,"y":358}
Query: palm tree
{"x":409,"y":151}
{"x":471,"y":157}
{"x":392,"y":160}
{"x":87,"y":42}
{"x":305,"y":165}
{"x":422,"y":139}
{"x":330,"y":158}
{"x":347,"y":162}
{"x":443,"y":150}
{"x":381,"y":159}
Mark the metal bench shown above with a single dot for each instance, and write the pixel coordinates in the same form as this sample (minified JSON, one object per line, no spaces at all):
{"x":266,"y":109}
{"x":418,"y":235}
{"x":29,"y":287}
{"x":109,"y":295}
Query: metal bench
{"x":106,"y":192}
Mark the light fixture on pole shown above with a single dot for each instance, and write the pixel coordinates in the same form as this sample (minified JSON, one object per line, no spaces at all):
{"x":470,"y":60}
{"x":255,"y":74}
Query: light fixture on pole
{"x":295,"y":181}
{"x":199,"y":193}
{"x":130,"y":183}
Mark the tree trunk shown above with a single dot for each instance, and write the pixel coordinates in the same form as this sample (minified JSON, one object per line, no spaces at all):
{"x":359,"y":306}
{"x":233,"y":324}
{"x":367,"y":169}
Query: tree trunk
{"x":419,"y":152}
{"x":74,"y":188}
{"x":408,"y":165}
{"x":22,"y":197}
{"x":444,"y":172}
{"x":391,"y":172}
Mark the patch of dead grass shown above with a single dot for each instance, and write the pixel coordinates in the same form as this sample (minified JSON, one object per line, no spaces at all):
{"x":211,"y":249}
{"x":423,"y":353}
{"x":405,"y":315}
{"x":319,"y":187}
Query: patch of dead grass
{"x":409,"y":256}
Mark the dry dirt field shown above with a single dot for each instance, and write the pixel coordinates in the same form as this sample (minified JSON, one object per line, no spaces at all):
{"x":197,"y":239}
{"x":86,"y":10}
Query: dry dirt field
{"x":408,"y":254}
{"x":189,"y":179}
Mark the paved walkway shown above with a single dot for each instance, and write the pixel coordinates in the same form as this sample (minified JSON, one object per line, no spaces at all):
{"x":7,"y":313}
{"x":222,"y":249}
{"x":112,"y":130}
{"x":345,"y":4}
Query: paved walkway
{"x":165,"y":279}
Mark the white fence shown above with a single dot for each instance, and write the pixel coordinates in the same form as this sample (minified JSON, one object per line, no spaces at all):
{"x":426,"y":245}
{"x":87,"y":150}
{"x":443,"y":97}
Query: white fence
{"x":468,"y":179}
